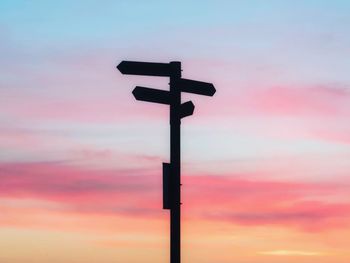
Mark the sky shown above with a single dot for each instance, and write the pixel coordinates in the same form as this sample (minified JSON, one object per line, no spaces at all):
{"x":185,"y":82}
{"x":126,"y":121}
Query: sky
{"x":265,"y":161}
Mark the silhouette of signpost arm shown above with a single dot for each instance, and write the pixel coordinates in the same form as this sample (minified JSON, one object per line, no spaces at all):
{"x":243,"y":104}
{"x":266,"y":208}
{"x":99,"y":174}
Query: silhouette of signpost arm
{"x":178,"y":110}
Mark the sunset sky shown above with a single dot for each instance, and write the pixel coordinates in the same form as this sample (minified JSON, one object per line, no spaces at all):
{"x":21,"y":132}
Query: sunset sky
{"x":265,"y":162}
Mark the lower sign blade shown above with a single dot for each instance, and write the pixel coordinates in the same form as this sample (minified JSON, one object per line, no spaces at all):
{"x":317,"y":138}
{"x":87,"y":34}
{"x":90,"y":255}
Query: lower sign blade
{"x":186,"y":109}
{"x":151,"y":95}
{"x":197,"y":87}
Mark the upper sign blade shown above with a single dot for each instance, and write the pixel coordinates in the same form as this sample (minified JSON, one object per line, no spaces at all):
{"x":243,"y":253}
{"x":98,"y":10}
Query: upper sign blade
{"x":144,"y":68}
{"x":151,"y":95}
{"x":197,"y":87}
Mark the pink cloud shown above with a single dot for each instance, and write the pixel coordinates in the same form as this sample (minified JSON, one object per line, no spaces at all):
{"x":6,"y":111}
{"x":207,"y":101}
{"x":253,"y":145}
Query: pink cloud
{"x":268,"y":202}
{"x":304,"y":101}
{"x":17,"y":138}
{"x":340,"y":135}
{"x":308,"y":112}
{"x":281,"y":101}
{"x":102,"y":94}
{"x":218,"y":198}
{"x":108,"y":109}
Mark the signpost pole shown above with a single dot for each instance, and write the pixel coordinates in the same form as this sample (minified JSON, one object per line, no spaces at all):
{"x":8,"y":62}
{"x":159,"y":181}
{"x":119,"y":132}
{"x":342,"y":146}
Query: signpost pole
{"x":172,"y":171}
{"x":175,"y":122}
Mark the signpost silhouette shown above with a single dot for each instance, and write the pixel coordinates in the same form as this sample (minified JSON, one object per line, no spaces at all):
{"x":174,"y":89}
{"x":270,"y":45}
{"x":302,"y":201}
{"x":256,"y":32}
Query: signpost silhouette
{"x":178,"y":110}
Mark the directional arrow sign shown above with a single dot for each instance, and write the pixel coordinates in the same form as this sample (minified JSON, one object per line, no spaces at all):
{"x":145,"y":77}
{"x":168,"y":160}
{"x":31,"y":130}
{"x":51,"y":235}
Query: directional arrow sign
{"x":197,"y":87}
{"x":151,"y":95}
{"x":144,"y":68}
{"x":186,"y":109}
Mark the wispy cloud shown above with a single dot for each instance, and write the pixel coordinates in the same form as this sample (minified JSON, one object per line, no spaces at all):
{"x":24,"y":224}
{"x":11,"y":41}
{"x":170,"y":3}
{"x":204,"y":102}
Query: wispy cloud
{"x":302,"y":101}
{"x":218,"y":198}
{"x":291,"y":253}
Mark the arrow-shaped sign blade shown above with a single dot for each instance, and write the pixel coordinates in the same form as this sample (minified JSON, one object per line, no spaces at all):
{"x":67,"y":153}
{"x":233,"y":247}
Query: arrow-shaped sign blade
{"x":186,"y":109}
{"x":197,"y":87}
{"x":144,"y":68}
{"x":151,"y":95}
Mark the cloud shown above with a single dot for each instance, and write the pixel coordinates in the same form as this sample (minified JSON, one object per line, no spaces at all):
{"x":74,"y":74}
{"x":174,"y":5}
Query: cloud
{"x":291,"y":253}
{"x":303,"y":101}
{"x":215,"y":198}
{"x":286,"y":111}
{"x":306,"y":206}
{"x":100,"y":190}
{"x":309,"y":216}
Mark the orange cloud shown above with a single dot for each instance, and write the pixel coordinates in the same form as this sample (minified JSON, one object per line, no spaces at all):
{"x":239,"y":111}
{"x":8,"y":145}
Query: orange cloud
{"x":291,"y":253}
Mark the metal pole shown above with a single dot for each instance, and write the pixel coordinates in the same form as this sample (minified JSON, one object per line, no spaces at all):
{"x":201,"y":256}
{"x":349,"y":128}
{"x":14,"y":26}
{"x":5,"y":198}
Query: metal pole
{"x":175,"y":122}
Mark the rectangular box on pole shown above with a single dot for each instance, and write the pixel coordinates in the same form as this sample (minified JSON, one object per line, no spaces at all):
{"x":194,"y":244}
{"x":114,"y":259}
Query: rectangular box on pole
{"x":166,"y":186}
